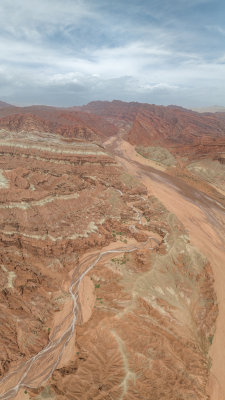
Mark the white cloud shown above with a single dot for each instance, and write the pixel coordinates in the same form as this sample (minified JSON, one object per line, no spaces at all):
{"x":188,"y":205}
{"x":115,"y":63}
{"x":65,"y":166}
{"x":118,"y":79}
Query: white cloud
{"x":40,"y":54}
{"x":27,"y":17}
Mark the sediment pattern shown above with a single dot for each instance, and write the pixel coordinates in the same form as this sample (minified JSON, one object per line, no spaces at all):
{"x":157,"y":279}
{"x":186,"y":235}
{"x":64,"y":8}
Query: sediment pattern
{"x":145,"y":318}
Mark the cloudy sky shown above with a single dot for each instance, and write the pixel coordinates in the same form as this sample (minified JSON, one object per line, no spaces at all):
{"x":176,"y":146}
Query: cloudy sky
{"x":70,"y":52}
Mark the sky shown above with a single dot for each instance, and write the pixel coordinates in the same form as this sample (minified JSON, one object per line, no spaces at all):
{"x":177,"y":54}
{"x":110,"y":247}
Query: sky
{"x":71,"y":52}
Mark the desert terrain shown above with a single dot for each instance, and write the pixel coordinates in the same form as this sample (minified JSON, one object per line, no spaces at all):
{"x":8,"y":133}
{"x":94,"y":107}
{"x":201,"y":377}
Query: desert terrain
{"x":112,"y":252}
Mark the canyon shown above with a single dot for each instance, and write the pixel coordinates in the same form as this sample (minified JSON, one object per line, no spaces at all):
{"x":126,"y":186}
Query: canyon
{"x":112,"y":252}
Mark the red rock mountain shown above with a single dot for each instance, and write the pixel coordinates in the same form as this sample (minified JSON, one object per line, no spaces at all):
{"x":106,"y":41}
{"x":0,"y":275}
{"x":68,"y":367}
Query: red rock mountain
{"x":181,"y":130}
{"x":49,"y":119}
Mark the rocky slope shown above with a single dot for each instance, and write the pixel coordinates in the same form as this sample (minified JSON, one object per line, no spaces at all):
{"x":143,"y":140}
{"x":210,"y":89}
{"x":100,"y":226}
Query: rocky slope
{"x":49,"y":119}
{"x":183,"y":131}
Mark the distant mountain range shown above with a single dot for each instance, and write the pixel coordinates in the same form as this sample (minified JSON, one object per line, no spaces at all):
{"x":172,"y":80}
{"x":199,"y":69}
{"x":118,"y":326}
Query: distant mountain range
{"x":212,"y":109}
{"x":4,"y":105}
{"x":183,"y":131}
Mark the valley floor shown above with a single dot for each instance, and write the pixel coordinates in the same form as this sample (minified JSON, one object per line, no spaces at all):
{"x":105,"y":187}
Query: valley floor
{"x":204,"y":219}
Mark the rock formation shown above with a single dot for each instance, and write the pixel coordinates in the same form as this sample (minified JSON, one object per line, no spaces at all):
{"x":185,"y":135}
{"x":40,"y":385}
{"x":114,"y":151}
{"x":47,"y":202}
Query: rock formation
{"x":183,"y":131}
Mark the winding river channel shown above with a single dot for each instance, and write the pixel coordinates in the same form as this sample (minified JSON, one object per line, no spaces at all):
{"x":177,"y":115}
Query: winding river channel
{"x":38,"y":369}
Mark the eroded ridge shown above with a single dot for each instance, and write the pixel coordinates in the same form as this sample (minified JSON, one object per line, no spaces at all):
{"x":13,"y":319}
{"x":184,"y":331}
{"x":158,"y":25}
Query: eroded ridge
{"x":103,"y":296}
{"x":153,"y":320}
{"x":32,"y":374}
{"x":51,"y":213}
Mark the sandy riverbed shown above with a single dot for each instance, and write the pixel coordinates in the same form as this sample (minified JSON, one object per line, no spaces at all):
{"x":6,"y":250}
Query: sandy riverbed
{"x":205,"y":223}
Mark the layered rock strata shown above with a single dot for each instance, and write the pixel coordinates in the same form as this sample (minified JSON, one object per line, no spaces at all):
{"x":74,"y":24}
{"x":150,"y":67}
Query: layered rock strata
{"x":57,"y":200}
{"x":152,"y":324}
